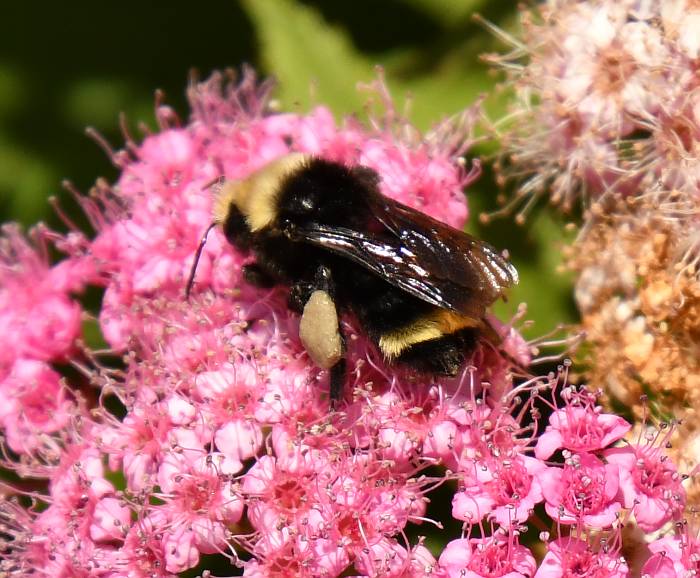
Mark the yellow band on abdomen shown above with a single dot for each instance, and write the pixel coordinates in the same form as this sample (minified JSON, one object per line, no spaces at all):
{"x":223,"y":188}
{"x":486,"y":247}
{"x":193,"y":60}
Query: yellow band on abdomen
{"x":439,"y":323}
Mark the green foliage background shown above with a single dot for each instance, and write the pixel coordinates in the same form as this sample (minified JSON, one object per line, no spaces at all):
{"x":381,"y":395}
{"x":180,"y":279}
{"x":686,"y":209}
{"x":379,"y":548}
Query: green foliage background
{"x":65,"y":66}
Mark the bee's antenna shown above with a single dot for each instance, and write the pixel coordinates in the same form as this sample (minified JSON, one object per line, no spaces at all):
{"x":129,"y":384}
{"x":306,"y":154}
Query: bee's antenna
{"x":197,"y":255}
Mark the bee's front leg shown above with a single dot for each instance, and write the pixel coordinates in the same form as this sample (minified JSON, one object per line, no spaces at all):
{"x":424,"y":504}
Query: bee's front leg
{"x":299,"y":295}
{"x":258,"y":275}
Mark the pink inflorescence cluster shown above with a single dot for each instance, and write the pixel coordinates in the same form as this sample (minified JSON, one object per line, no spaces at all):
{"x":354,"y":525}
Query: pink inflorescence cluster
{"x":201,"y":428}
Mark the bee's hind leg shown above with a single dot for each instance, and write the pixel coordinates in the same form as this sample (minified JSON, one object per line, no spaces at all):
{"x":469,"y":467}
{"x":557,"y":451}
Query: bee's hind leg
{"x":337,"y":384}
{"x":320,"y":329}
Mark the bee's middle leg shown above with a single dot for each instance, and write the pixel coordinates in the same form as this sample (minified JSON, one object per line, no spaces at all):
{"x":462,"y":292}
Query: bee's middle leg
{"x":301,"y":291}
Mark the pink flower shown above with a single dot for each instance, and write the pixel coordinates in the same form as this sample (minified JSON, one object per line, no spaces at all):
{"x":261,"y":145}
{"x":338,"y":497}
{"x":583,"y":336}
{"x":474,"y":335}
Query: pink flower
{"x":439,"y":191}
{"x":413,"y":424}
{"x":649,"y":482}
{"x":673,"y":556}
{"x":146,"y":435}
{"x":200,"y":501}
{"x":570,"y":558}
{"x":277,"y":497}
{"x":279,"y":555}
{"x":383,"y":558}
{"x":681,"y":18}
{"x":366,"y":503}
{"x":489,"y":432}
{"x":181,"y":551}
{"x":584,"y":491}
{"x":144,"y":554}
{"x":230,"y":397}
{"x":493,"y":557}
{"x":506,"y":490}
{"x":32,"y":402}
{"x":37,"y":314}
{"x":215,"y":423}
{"x":111,"y":520}
{"x":78,"y":480}
{"x":580,"y":427}
{"x":79,"y":531}
{"x":422,"y":564}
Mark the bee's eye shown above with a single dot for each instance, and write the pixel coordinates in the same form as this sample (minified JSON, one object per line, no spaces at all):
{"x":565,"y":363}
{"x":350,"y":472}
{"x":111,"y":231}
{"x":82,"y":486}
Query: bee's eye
{"x":287,"y":227}
{"x":304,"y":205}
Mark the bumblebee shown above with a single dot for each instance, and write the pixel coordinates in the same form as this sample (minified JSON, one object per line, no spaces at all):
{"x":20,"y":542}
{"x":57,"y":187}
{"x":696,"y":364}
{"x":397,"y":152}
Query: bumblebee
{"x":418,"y":287}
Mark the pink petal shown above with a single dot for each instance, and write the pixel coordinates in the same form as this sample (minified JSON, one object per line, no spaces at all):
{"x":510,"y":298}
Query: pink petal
{"x":550,"y":567}
{"x":441,"y":440}
{"x":238,"y":440}
{"x":651,"y":513}
{"x":548,"y":443}
{"x":180,"y":411}
{"x":180,"y":551}
{"x":603,"y":519}
{"x":456,"y":556}
{"x":471,"y":507}
{"x":659,"y":566}
{"x":111,"y":520}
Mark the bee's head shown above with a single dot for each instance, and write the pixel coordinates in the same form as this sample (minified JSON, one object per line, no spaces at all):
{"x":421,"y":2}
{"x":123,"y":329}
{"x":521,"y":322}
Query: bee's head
{"x":256,"y":197}
{"x":323,"y":192}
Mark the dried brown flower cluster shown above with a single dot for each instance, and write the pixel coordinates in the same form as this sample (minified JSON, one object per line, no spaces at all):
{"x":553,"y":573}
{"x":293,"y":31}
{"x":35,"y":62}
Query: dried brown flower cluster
{"x":638,"y":291}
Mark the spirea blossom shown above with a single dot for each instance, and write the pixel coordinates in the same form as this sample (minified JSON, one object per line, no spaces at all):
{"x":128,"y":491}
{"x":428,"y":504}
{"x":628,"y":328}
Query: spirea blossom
{"x":580,"y":426}
{"x":607,"y":98}
{"x":675,"y":555}
{"x":571,"y":557}
{"x":649,"y":482}
{"x":585,"y":489}
{"x":487,"y":558}
{"x":32,"y":289}
{"x":205,"y":430}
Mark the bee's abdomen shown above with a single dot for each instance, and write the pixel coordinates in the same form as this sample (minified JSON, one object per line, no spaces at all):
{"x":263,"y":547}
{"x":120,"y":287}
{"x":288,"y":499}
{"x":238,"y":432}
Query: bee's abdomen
{"x":407,"y":329}
{"x":444,"y":355}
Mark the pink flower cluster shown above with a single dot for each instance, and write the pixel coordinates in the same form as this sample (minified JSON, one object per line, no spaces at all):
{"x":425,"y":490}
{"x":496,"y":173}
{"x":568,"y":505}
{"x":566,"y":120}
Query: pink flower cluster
{"x":40,"y":322}
{"x":202,"y":434}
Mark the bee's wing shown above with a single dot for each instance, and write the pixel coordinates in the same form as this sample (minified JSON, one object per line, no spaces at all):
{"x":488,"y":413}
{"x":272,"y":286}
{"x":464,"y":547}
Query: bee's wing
{"x":422,"y":256}
{"x":446,"y":252}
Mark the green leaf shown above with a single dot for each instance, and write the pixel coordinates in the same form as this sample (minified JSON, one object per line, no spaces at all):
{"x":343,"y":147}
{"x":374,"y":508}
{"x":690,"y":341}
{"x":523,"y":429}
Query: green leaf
{"x":447,"y":11}
{"x":300,"y":48}
{"x":546,"y":290}
{"x":13,"y":87}
{"x":93,"y":102}
{"x":25,"y":183}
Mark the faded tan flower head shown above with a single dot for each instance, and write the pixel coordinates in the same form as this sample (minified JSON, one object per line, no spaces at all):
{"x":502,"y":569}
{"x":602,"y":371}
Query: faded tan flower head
{"x":638,"y":291}
{"x":607,"y":100}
